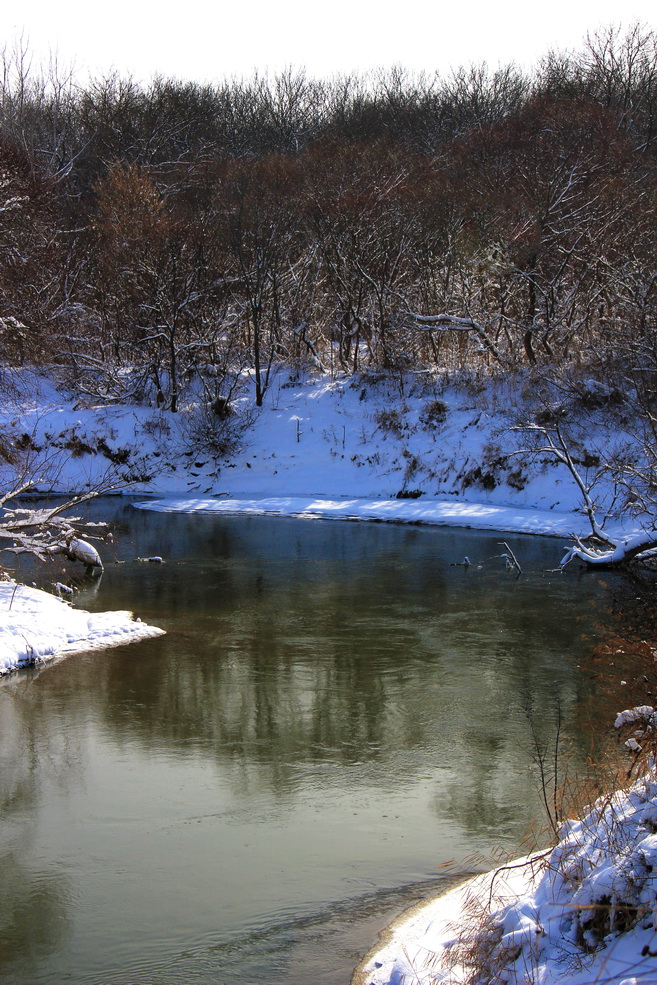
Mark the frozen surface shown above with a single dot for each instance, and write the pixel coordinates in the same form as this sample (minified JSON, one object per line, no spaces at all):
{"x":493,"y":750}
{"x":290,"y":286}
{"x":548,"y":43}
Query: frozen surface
{"x":480,"y":516}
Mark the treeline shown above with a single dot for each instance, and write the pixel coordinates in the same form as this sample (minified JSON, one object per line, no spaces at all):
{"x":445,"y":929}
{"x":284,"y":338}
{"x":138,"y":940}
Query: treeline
{"x":488,"y":218}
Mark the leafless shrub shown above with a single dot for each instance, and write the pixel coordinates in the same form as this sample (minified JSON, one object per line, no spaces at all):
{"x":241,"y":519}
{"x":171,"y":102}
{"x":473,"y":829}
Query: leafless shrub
{"x":390,"y":421}
{"x":220,"y":434}
{"x":433,"y":415}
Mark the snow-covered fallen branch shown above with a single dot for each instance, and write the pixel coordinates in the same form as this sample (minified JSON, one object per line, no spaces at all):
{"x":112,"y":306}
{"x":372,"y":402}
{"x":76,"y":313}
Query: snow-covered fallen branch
{"x":553,"y":443}
{"x":44,"y":533}
{"x":639,"y":547}
{"x":453,"y":323}
{"x":603,"y":550}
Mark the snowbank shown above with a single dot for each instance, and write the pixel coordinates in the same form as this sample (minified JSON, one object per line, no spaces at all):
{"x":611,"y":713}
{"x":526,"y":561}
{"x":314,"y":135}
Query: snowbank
{"x":444,"y":513}
{"x":346,"y":448}
{"x":320,"y":438}
{"x":419,"y":948}
{"x":584,"y":912}
{"x":36,"y":626}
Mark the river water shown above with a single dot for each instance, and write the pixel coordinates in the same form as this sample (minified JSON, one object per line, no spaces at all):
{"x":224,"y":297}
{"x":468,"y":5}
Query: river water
{"x":339,"y":720}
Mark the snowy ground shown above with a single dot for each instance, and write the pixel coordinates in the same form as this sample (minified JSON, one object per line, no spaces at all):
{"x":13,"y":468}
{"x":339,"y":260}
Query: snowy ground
{"x":360,"y":447}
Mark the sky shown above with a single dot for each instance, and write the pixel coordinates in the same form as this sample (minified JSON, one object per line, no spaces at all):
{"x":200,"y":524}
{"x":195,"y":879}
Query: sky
{"x":208,"y":40}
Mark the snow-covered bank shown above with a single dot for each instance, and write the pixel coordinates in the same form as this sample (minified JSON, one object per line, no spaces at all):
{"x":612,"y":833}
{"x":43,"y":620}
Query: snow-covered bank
{"x":36,"y":627}
{"x":418,"y":948}
{"x":583,"y":913}
{"x":365,"y":438}
{"x":443,"y":513}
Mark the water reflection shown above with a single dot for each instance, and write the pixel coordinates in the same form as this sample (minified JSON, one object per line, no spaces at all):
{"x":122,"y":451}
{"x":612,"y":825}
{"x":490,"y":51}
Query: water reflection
{"x":336,"y":710}
{"x":34,"y":892}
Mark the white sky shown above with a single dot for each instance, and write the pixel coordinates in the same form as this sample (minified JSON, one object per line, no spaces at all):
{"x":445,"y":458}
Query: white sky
{"x":192,"y":39}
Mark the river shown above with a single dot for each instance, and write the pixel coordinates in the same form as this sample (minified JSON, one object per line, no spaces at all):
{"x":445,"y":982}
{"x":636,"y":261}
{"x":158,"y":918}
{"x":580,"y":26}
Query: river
{"x":340,"y":719}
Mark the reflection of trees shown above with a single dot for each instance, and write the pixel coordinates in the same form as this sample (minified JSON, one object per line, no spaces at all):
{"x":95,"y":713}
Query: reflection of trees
{"x":489,"y":793}
{"x":34,"y":915}
{"x":35,"y":751}
{"x":293,"y":643}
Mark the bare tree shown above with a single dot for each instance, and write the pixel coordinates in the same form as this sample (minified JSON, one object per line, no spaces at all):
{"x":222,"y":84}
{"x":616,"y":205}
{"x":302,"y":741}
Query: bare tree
{"x":632,"y":475}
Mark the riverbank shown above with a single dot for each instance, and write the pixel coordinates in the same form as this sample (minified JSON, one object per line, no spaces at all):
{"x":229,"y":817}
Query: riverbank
{"x":36,"y":626}
{"x":419,"y":945}
{"x":365,"y":437}
{"x":580,"y":914}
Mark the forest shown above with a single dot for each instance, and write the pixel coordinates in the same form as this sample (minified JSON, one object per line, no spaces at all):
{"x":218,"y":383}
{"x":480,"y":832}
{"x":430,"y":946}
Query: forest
{"x":488,"y":219}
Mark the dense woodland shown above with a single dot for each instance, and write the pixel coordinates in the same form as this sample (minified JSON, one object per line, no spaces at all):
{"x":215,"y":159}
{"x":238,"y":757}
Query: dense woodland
{"x":484,"y":218}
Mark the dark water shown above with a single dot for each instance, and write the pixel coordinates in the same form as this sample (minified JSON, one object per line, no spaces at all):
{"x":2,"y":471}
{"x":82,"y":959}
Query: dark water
{"x":335,"y":713}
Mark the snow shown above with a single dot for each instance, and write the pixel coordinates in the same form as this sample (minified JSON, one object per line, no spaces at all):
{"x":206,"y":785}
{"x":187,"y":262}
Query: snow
{"x":324,"y":447}
{"x":36,"y":626}
{"x":82,"y":550}
{"x":631,"y":715}
{"x":478,"y":516}
{"x":420,"y":946}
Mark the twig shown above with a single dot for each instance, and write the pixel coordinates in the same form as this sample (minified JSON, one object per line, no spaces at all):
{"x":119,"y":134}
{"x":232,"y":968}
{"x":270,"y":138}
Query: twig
{"x":510,"y":557}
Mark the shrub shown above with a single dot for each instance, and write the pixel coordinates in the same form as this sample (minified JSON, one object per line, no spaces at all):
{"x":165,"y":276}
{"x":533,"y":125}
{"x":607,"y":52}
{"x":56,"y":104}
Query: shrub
{"x":390,"y":421}
{"x":433,"y":415}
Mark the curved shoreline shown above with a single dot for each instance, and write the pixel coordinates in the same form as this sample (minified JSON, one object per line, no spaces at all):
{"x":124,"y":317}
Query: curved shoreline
{"x":417,"y":946}
{"x":37,"y":627}
{"x":386,"y":936}
{"x":425,"y":512}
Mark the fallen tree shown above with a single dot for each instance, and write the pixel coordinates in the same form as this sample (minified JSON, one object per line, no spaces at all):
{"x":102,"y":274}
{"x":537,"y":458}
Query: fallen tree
{"x":452,"y":323}
{"x":46,"y":532}
{"x":600,"y":549}
{"x":46,"y":528}
{"x":615,"y":552}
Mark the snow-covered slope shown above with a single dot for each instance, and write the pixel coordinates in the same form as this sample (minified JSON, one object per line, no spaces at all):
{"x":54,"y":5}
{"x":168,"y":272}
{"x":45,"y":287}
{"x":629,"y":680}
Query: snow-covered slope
{"x":364,"y":437}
